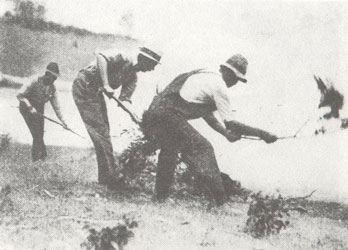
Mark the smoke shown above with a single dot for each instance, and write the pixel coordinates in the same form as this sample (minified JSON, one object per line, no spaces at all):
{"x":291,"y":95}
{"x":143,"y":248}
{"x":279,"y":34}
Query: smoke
{"x":126,"y":24}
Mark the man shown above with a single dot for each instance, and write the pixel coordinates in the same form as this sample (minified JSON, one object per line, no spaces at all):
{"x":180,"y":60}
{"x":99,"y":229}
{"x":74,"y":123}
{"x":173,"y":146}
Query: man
{"x":32,"y":100}
{"x":190,"y":96}
{"x":111,"y":70}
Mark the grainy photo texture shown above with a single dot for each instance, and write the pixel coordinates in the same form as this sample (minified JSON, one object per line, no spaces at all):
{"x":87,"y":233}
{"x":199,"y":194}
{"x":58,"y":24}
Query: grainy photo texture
{"x":162,"y":124}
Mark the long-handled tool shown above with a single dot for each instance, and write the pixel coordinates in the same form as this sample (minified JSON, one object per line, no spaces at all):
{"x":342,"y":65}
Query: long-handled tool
{"x":282,"y":137}
{"x":295,"y":135}
{"x":132,"y":116}
{"x":56,"y":122}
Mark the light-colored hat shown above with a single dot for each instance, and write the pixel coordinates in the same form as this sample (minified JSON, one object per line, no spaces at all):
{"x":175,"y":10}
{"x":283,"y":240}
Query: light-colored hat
{"x":238,"y":64}
{"x":155,"y":56}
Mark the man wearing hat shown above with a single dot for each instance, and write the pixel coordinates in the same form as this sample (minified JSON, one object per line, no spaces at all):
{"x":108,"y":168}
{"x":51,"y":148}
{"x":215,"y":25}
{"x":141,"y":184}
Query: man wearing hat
{"x":32,"y":99}
{"x":111,"y":70}
{"x":189,"y":96}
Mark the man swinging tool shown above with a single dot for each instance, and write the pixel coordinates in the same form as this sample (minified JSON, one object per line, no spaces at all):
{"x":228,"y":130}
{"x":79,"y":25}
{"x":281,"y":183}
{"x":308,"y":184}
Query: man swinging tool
{"x":112,"y":69}
{"x":32,"y":100}
{"x":189,"y":96}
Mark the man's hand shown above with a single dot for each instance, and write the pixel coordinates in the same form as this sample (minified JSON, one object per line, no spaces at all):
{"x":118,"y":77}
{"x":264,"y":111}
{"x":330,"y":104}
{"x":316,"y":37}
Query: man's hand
{"x":136,"y":117}
{"x":269,"y":138}
{"x":108,"y":91}
{"x":232,"y":137}
{"x":344,"y":123}
{"x":32,"y":110}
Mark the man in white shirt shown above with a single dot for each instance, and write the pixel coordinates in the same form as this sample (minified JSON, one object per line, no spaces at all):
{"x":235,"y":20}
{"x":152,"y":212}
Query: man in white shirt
{"x":111,"y":70}
{"x":192,"y":95}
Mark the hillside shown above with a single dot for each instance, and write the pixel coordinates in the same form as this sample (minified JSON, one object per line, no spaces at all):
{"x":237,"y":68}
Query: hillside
{"x":20,"y":54}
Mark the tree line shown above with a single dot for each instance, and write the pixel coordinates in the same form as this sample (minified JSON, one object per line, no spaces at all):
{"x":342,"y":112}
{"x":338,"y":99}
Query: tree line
{"x":31,"y":15}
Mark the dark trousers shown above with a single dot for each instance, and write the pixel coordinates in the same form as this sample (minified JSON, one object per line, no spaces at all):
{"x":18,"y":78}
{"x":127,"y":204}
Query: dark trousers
{"x":174,"y":134}
{"x":92,"y":108}
{"x":35,"y":124}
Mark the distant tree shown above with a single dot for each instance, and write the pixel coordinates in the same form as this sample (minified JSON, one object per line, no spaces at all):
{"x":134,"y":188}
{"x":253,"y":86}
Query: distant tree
{"x":8,"y":15}
{"x":127,"y":22}
{"x":27,"y":13}
{"x":25,"y":10}
{"x":40,"y":12}
{"x":75,"y":44}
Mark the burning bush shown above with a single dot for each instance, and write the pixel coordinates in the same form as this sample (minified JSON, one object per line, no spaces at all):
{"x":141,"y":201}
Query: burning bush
{"x":330,"y":97}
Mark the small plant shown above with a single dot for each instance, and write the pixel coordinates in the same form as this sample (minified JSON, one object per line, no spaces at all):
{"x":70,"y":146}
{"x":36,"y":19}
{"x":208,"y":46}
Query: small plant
{"x":5,"y":140}
{"x":135,"y":158}
{"x":130,"y":222}
{"x":344,"y":123}
{"x":6,"y":204}
{"x":321,"y":130}
{"x":268,"y":215}
{"x":110,"y":238}
{"x":137,"y":161}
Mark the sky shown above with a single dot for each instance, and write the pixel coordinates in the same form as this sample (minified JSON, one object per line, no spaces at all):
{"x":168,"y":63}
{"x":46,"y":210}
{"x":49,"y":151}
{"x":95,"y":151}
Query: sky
{"x":288,"y":36}
{"x":284,"y":42}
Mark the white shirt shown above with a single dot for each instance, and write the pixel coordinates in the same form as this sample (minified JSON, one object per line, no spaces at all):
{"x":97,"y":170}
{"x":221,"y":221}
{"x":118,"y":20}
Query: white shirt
{"x":207,"y":88}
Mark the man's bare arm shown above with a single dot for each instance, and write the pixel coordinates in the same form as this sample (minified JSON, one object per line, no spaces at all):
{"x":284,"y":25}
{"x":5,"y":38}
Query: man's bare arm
{"x":215,"y":124}
{"x":242,"y":129}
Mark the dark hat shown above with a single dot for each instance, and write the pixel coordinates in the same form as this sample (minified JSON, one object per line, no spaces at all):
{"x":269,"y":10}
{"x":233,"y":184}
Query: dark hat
{"x":238,"y":64}
{"x":53,"y":68}
{"x":155,"y":56}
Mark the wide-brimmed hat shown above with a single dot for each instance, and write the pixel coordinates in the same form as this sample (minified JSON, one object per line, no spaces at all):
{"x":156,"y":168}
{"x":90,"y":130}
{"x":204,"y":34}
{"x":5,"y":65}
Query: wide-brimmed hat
{"x":155,"y":56}
{"x":238,"y":64}
{"x":53,"y":68}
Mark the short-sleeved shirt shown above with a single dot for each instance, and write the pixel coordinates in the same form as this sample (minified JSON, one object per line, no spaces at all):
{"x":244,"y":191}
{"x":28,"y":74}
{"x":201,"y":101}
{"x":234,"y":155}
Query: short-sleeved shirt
{"x":37,"y":93}
{"x":120,"y":72}
{"x":208,"y":88}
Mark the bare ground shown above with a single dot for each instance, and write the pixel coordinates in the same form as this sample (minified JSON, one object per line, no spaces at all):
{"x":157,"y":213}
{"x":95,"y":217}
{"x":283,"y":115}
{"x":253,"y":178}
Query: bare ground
{"x":53,"y":204}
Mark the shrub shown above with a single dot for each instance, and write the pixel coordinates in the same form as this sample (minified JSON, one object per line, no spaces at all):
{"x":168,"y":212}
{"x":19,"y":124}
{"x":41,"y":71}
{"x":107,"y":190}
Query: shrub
{"x":5,"y":140}
{"x":110,"y":238}
{"x":268,"y":214}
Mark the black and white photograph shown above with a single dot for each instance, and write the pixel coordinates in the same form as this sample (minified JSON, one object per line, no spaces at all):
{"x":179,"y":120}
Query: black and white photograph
{"x":173,"y":125}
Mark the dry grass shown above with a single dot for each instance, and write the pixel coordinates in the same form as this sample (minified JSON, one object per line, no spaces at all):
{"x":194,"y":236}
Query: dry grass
{"x":56,"y":202}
